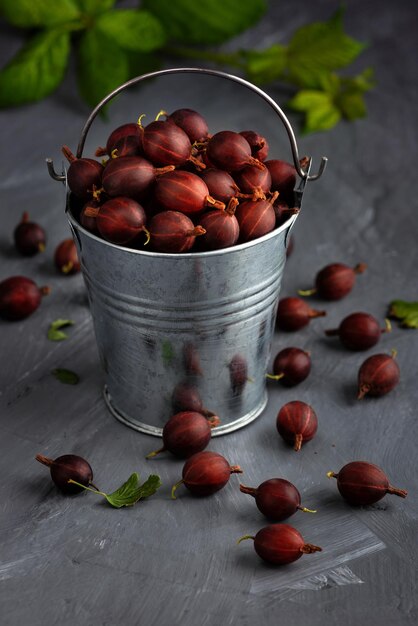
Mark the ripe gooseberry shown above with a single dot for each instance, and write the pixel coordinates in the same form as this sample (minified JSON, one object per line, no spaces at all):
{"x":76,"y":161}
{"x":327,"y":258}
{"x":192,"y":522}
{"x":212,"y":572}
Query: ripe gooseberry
{"x":362,"y":483}
{"x":186,"y":433}
{"x":255,"y":218}
{"x":276,"y":498}
{"x":334,"y":281}
{"x":66,"y":257}
{"x":220,"y":184}
{"x":172,"y":231}
{"x":230,"y":151}
{"x":29,"y":237}
{"x":222,"y":228}
{"x":83,"y":174}
{"x":297,"y":423}
{"x":193,"y":124}
{"x":68,"y":467}
{"x":359,"y":331}
{"x":378,"y":375}
{"x":126,"y":139}
{"x":258,"y":144}
{"x":291,"y":366}
{"x":294,"y":313}
{"x":20,"y":297}
{"x":130,"y":176}
{"x":280,"y":544}
{"x":253,"y":180}
{"x":185,"y":192}
{"x":166,"y":143}
{"x":283,"y":178}
{"x":204,"y":473}
{"x":120,"y":220}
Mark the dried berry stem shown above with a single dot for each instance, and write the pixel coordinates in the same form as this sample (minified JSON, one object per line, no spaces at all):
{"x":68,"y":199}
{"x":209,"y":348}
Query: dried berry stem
{"x":273,"y":198}
{"x":363,"y":391}
{"x":235,"y":469}
{"x":151,"y":455}
{"x":256,"y":163}
{"x":298,"y":442}
{"x":309,"y":548}
{"x":360,"y":268}
{"x":402,"y":493}
{"x":68,"y":154}
{"x":160,"y":171}
{"x":199,"y":164}
{"x":91,"y":211}
{"x":315,"y":313}
{"x":174,"y":487}
{"x":197,"y":230}
{"x":44,"y":460}
{"x":250,"y":490}
{"x":214,"y":421}
{"x":45,"y":291}
{"x":388,"y":326}
{"x":216,"y":204}
{"x":232,"y":205}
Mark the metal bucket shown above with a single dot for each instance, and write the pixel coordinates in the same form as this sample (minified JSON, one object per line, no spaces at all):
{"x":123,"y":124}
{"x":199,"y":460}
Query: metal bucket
{"x":199,"y":323}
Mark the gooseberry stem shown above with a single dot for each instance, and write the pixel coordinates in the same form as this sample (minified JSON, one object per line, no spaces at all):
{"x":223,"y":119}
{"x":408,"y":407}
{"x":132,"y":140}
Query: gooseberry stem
{"x":274,"y":377}
{"x":388,"y":326}
{"x":402,"y":493}
{"x":360,"y":268}
{"x":298,"y":442}
{"x":332,"y":475}
{"x":309,"y":548}
{"x":245,"y":537}
{"x":235,"y":469}
{"x":249,"y":490}
{"x":174,"y":487}
{"x":307,"y":292}
{"x":305,"y":510}
{"x":151,"y":455}
{"x":94,"y":490}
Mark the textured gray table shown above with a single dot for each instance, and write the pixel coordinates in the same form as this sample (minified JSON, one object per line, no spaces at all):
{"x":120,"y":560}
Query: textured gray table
{"x":75,"y":560}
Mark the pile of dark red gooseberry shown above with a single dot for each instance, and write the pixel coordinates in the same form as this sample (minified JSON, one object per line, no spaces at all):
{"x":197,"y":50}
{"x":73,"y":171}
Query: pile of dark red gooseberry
{"x":173,"y":187}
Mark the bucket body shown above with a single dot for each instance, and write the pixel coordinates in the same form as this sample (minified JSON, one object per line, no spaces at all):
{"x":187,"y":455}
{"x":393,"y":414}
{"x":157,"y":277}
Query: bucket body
{"x":176,"y":326}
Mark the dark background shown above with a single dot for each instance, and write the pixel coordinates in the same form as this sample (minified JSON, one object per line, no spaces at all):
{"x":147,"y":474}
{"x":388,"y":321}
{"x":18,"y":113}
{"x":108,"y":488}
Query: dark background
{"x":75,"y":560}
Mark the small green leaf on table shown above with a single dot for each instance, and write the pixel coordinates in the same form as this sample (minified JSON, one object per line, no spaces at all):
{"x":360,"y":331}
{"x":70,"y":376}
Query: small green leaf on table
{"x":130,"y":492}
{"x":405,"y":312}
{"x":66,"y":376}
{"x":55,"y":333}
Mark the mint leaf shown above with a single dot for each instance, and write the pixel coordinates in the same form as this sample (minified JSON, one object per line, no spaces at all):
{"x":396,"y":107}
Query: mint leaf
{"x":35,"y":13}
{"x":319,"y":48}
{"x":93,"y":7}
{"x":95,"y":53}
{"x":131,"y":29}
{"x":266,"y":65}
{"x":66,"y":376}
{"x":321,"y":112}
{"x":406,"y":312}
{"x":131,"y":491}
{"x":167,"y":353}
{"x":54,"y":332}
{"x":208,"y":22}
{"x":36,"y":70}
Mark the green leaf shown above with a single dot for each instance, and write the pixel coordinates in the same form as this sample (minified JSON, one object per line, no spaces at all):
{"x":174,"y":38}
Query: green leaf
{"x":167,"y":352}
{"x":131,"y":491}
{"x":205,"y":22}
{"x":96,"y":52}
{"x":131,"y":29}
{"x":321,"y":112}
{"x":66,"y":376}
{"x":93,"y":7}
{"x":266,"y":65}
{"x":35,"y":13}
{"x":319,"y":48}
{"x":36,"y":70}
{"x":54,"y":332}
{"x":406,"y":312}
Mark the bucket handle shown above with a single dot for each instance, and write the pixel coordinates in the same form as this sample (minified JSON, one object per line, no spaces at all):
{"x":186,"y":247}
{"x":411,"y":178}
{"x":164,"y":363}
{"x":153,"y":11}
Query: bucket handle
{"x":196,"y":70}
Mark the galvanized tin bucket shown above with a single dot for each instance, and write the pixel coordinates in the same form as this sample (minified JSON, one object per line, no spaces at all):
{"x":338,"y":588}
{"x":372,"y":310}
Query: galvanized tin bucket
{"x":196,"y":324}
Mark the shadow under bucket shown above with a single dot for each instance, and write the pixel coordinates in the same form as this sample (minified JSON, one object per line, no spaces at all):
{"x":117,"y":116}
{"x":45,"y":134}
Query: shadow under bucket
{"x":191,"y":328}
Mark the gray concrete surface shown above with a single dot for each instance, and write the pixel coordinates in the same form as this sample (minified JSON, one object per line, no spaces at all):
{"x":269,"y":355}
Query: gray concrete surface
{"x":74,"y":560}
